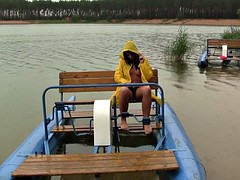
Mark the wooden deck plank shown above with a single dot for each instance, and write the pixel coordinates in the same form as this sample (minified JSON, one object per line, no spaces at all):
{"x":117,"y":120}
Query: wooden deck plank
{"x":69,"y":128}
{"x":89,"y":113}
{"x":74,"y":164}
{"x":79,"y":114}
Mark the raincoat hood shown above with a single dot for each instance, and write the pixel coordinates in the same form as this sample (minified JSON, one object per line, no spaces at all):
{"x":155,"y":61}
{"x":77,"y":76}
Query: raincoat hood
{"x":129,"y":46}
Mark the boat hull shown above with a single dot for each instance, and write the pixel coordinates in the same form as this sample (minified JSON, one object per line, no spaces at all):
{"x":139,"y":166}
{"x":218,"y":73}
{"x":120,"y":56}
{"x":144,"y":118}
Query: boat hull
{"x":190,"y":167}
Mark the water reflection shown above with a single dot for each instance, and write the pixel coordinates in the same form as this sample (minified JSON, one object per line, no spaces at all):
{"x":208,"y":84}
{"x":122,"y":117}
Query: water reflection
{"x":223,"y":75}
{"x":180,"y":70}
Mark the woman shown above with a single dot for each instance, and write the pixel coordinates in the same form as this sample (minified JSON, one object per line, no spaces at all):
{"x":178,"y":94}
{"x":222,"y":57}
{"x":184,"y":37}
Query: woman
{"x":133,"y":67}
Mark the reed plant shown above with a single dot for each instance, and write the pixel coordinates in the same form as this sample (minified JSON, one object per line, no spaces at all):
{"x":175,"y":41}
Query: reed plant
{"x":180,"y":46}
{"x":232,"y":32}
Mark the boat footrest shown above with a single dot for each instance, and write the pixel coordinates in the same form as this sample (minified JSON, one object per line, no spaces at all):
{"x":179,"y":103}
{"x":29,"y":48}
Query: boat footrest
{"x":132,"y":128}
{"x":76,"y":164}
{"x":89,"y":113}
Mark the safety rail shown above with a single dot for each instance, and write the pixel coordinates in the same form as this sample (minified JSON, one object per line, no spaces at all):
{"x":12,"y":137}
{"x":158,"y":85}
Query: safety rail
{"x":159,"y":113}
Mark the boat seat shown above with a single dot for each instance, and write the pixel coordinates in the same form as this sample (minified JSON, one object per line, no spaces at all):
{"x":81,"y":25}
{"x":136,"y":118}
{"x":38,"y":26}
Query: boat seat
{"x":90,"y":78}
{"x":86,"y":113}
{"x":77,"y":164}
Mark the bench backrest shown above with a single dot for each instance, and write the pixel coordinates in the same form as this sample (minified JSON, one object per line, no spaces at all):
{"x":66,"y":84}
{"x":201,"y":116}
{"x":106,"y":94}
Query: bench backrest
{"x":217,"y":43}
{"x":92,"y":77}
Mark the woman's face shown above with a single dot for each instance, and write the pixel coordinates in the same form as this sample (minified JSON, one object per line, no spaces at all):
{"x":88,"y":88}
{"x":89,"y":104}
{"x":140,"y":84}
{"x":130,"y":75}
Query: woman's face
{"x":130,"y":55}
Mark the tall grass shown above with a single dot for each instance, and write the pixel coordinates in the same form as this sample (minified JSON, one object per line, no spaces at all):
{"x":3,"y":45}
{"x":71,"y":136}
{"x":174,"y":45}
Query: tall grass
{"x":180,"y":46}
{"x":233,"y":32}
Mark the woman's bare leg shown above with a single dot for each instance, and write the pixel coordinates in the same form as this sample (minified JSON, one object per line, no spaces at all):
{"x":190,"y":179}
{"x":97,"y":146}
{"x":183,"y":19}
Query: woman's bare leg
{"x":124,"y":98}
{"x":143,"y":94}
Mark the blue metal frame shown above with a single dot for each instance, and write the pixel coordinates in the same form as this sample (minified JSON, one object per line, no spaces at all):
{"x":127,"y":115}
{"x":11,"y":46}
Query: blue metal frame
{"x":96,"y":149}
{"x":158,"y":111}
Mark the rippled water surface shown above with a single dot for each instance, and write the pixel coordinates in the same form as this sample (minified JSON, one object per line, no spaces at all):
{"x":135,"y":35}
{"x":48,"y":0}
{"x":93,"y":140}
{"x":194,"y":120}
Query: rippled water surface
{"x":207,"y":103}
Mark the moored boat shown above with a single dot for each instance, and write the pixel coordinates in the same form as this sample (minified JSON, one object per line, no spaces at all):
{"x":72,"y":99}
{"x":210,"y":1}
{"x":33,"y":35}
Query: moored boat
{"x":220,"y":52}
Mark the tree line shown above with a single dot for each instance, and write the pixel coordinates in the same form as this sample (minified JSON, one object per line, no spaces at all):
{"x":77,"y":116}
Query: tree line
{"x":118,"y":9}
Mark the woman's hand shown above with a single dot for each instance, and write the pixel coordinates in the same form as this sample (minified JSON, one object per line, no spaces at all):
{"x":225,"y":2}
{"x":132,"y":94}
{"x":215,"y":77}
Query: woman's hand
{"x":141,"y":58}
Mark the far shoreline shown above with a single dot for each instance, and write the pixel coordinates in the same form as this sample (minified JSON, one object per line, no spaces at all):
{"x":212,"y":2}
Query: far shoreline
{"x":203,"y":22}
{"x":199,"y":22}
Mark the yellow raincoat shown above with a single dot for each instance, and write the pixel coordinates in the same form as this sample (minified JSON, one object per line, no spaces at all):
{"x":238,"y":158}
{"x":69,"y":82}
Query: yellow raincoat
{"x":122,"y":72}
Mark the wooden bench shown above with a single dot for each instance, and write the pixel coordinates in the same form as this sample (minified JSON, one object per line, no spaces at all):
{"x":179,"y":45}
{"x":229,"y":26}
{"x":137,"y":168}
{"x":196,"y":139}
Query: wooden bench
{"x":77,"y":164}
{"x":92,"y":77}
{"x":89,"y":78}
{"x":215,"y":49}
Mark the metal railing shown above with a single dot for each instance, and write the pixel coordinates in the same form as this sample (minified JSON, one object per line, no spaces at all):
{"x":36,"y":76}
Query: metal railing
{"x":159,"y":113}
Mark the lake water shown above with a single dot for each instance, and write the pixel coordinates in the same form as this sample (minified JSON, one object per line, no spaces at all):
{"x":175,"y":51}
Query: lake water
{"x":207,"y":103}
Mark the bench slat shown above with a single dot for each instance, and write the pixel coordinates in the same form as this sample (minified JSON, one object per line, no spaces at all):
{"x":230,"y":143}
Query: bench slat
{"x":76,"y":164}
{"x":100,"y":80}
{"x":87,"y":89}
{"x":231,"y":43}
{"x":86,"y":74}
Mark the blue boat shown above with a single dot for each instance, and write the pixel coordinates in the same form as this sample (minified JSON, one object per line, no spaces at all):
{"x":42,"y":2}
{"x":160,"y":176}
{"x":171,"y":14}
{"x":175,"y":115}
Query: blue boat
{"x":220,"y":52}
{"x":168,"y":150}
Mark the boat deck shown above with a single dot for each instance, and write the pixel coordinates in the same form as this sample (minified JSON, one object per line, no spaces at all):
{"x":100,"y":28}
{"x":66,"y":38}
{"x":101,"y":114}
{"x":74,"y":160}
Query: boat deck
{"x":77,"y":164}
